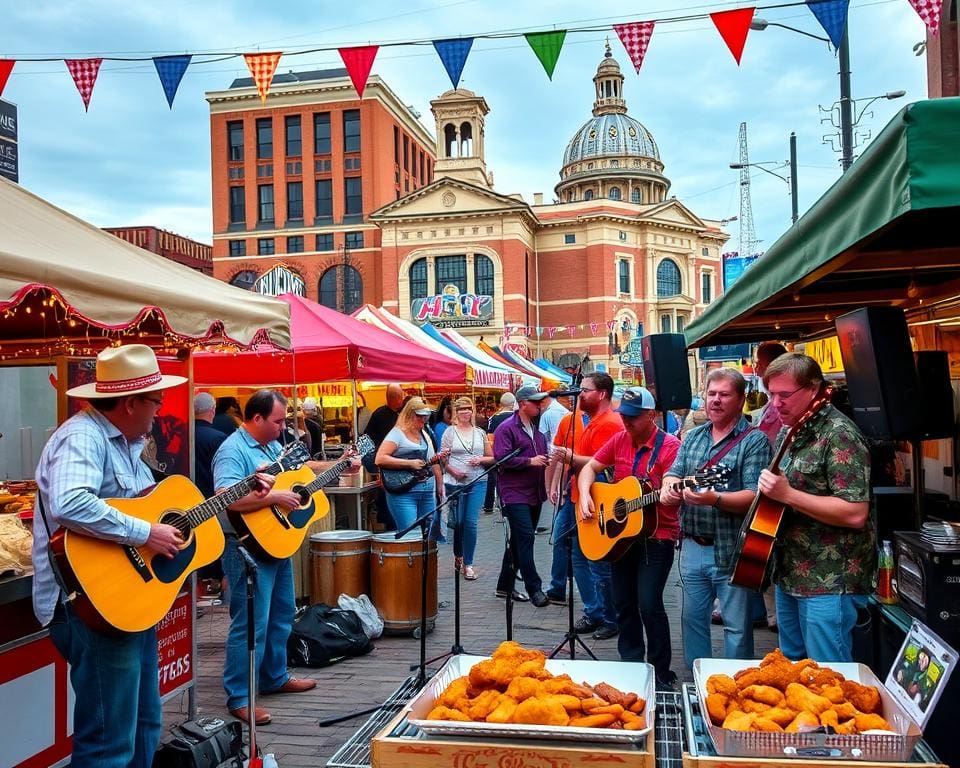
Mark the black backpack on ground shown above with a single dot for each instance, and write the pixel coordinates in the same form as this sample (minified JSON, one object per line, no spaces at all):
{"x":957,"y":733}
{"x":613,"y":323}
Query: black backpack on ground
{"x":207,"y":742}
{"x":323,"y":635}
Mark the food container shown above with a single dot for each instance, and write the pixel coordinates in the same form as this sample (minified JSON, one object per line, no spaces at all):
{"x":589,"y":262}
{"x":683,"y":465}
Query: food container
{"x":896,"y":746}
{"x":625,"y":675}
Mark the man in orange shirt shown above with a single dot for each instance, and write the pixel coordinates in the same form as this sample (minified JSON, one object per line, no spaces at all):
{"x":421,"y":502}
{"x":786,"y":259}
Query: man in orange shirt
{"x":578,"y":437}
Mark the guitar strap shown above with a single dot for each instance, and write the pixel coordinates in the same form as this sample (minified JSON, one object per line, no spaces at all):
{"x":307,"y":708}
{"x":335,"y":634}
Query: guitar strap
{"x":711,"y":462}
{"x":57,"y":575}
{"x":651,"y":462}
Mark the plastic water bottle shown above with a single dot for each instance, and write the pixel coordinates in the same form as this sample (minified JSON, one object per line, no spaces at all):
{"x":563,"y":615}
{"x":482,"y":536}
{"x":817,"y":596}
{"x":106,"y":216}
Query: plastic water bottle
{"x":885,"y":591}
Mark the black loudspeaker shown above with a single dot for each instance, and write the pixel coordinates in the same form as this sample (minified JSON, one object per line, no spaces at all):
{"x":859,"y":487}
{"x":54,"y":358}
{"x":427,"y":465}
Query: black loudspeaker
{"x":665,"y":369}
{"x":881,"y":374}
{"x":936,"y":395}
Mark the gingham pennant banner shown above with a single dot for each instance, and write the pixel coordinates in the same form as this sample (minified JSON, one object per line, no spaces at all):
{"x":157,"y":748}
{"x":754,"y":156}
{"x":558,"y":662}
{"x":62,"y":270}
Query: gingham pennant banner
{"x":6,"y":67}
{"x":570,"y":329}
{"x":170,"y":70}
{"x":611,"y":324}
{"x":359,"y":62}
{"x":594,"y":327}
{"x":262,"y":66}
{"x":551,"y":332}
{"x":832,"y":16}
{"x":84,"y":73}
{"x":733,"y":27}
{"x":635,"y":37}
{"x":929,"y":11}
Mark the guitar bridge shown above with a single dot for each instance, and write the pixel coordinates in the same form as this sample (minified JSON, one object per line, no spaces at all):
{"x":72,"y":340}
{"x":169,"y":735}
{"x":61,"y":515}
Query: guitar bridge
{"x":600,"y":523}
{"x":281,"y":518}
{"x":138,"y":563}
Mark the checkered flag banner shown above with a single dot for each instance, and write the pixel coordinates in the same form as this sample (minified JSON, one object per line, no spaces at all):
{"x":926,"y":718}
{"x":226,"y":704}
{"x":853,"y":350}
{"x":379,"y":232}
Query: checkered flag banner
{"x":84,"y":73}
{"x":262,"y":66}
{"x":635,"y":37}
{"x":929,"y":11}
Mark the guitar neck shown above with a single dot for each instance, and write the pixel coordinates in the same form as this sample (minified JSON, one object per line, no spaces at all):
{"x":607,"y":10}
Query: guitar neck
{"x":653,"y":496}
{"x":327,"y":477}
{"x":219,"y":503}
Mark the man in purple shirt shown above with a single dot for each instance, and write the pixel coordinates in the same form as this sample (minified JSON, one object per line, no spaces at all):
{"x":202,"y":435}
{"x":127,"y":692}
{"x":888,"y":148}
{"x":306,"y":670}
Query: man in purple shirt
{"x":522,"y":491}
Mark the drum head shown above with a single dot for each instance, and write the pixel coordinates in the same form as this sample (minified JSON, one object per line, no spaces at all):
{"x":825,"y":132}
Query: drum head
{"x":341,"y":536}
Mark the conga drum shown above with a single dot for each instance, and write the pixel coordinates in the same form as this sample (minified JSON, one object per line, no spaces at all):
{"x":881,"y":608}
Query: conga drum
{"x":340,"y":564}
{"x":396,"y":570}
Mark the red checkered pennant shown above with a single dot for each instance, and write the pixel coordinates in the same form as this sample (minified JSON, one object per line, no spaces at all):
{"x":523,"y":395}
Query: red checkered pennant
{"x":594,"y":327}
{"x":635,"y":37}
{"x":929,"y":11}
{"x":84,"y":73}
{"x":6,"y":67}
{"x":262,"y":66}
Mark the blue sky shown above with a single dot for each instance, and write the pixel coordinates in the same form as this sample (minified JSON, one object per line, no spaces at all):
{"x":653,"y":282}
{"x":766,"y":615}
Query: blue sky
{"x":131,"y":160}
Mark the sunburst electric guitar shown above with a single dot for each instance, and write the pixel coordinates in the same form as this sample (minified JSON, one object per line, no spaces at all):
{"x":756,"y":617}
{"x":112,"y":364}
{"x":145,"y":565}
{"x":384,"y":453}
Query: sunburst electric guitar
{"x":278,"y":532}
{"x":626,"y":510}
{"x":753,"y":553}
{"x":118,"y":587}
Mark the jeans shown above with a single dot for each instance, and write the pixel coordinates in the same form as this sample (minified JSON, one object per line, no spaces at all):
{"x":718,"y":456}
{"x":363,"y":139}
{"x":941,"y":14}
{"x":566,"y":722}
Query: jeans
{"x":117,"y":718}
{"x":274,"y":608}
{"x":639,"y":577}
{"x":521,"y":519}
{"x":819,"y":626}
{"x":464,"y":517}
{"x":414,"y":504}
{"x":702,"y":581}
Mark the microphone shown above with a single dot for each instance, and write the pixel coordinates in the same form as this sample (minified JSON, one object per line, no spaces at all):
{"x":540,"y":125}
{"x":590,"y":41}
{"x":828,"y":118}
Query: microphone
{"x":565,"y":392}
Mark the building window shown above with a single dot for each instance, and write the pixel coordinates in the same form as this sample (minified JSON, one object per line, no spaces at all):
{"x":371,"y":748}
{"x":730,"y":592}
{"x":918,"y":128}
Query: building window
{"x":614,"y":193}
{"x":680,"y":323}
{"x":353,"y":196}
{"x":238,"y":206}
{"x":569,"y":239}
{"x":294,"y":168}
{"x":264,"y":170}
{"x":235,"y":140}
{"x":406,"y":153}
{"x":264,"y":138}
{"x":588,"y":195}
{"x":354,"y":240}
{"x":351,"y":163}
{"x":280,"y":280}
{"x":292,"y":126}
{"x":235,"y":173}
{"x":322,"y":165}
{"x":668,"y":279}
{"x":635,"y":196}
{"x":325,"y":241}
{"x":666,"y":324}
{"x":396,"y":145}
{"x":295,"y":200}
{"x":482,"y":275}
{"x":324,"y":199}
{"x":418,"y":279}
{"x":351,"y":130}
{"x":265,"y":246}
{"x":265,"y":203}
{"x":706,"y":287}
{"x":321,"y":133}
{"x":295,"y":244}
{"x":451,"y":270}
{"x":341,"y":288}
{"x":705,"y":252}
{"x":244,"y":279}
{"x":238,"y":247}
{"x":623,"y":269}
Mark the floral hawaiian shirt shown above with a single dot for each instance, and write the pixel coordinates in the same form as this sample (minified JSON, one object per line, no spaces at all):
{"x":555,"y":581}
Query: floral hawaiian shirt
{"x":828,"y":457}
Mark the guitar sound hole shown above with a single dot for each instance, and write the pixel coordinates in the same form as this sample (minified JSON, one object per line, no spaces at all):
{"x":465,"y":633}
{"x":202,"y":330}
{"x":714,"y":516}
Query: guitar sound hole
{"x":619,"y":511}
{"x":301,"y":491}
{"x":178,"y":521}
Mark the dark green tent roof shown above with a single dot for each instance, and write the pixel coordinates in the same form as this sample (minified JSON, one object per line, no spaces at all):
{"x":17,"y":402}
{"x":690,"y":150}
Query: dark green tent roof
{"x":885,"y":233}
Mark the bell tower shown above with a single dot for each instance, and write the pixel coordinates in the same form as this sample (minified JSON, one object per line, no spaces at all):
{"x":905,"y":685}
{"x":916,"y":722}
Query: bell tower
{"x":609,"y":86}
{"x":460,"y":115}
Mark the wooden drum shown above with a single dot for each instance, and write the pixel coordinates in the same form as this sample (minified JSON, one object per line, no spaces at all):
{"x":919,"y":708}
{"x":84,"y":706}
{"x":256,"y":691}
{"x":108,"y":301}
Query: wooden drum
{"x":396,"y":568}
{"x":340,"y":564}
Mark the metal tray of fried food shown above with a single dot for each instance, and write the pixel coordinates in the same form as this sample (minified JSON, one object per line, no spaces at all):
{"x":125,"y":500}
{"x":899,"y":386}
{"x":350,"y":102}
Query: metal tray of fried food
{"x":890,"y":746}
{"x":628,"y":677}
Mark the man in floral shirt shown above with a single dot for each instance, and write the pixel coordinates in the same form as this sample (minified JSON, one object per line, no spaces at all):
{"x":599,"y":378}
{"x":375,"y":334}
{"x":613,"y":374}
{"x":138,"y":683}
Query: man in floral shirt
{"x":826,"y":553}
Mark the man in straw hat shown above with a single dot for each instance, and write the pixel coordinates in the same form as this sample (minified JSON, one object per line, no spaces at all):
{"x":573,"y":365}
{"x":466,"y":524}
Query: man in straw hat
{"x":95,"y":455}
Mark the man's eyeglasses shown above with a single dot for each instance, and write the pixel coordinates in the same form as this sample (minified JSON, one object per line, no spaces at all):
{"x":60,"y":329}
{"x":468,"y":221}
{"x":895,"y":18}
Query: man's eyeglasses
{"x":784,"y":396}
{"x":155,"y":400}
{"x":587,"y":389}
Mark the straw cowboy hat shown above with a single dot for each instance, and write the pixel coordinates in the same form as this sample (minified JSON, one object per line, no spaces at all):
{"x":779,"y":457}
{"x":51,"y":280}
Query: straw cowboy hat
{"x":124,"y":371}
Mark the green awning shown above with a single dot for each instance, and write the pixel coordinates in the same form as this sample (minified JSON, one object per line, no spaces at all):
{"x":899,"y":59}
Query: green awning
{"x":885,"y":233}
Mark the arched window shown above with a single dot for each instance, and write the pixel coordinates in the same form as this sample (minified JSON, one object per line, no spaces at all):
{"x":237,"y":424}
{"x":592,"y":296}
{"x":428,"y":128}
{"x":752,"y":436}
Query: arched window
{"x":466,"y":140}
{"x":588,"y":195}
{"x":614,"y":193}
{"x":635,"y":195}
{"x":668,"y":279}
{"x":482,"y":275}
{"x":450,"y":140}
{"x":341,"y":288}
{"x":418,"y":279}
{"x":244,"y":279}
{"x":666,"y":324}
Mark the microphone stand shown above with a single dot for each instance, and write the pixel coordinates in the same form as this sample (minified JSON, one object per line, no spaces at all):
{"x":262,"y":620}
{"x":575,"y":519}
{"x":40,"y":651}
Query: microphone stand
{"x":250,"y":568}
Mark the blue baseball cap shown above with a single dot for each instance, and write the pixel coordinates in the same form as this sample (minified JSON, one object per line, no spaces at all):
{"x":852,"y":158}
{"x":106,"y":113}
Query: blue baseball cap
{"x":635,"y":401}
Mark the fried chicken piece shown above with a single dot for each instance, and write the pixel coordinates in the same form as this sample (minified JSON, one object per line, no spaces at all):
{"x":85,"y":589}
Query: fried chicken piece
{"x":447,"y":713}
{"x":611,"y":694}
{"x":593,"y":721}
{"x":563,"y":684}
{"x":722,"y":684}
{"x":765,"y":694}
{"x":477,"y":709}
{"x":782,"y":716}
{"x":766,"y":725}
{"x":717,"y":707}
{"x":456,"y":690}
{"x":871,"y":722}
{"x":539,"y":711}
{"x":521,"y":688}
{"x":774,"y":657}
{"x":778,"y":673}
{"x":758,"y":707}
{"x":845,"y":710}
{"x":829,"y":717}
{"x":739,"y":720}
{"x":866,"y":698}
{"x":804,"y":700}
{"x":533,"y":668}
{"x":638,"y":706}
{"x":834,"y":693}
{"x":511,"y":650}
{"x":804,"y":721}
{"x":570,"y":703}
{"x":592,"y":703}
{"x":818,"y":678}
{"x":847,"y":728}
{"x":503,"y":712}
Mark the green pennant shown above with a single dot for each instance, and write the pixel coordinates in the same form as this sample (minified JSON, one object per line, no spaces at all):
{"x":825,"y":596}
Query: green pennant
{"x":547,"y":46}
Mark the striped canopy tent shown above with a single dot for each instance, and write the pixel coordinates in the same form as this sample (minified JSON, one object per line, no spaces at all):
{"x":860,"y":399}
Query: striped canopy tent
{"x":474,"y":351}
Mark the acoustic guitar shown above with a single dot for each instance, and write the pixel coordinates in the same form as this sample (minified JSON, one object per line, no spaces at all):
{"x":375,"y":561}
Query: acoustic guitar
{"x":119,"y":587}
{"x":278,"y":533}
{"x":753,"y":553}
{"x":626,"y":510}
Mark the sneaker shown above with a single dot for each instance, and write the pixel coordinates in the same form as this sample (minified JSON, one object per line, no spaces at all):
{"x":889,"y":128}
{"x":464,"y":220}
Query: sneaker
{"x":487,"y":511}
{"x":585,"y":625}
{"x":606,"y":632}
{"x":541,"y":529}
{"x":716,"y":618}
{"x":539,"y":599}
{"x":518,"y":596}
{"x":556,"y":599}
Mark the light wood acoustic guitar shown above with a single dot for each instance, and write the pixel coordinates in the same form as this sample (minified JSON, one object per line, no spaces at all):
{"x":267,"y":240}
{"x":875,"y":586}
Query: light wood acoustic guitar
{"x":123,"y":588}
{"x":626,"y":510}
{"x":753,"y":553}
{"x":278,"y":533}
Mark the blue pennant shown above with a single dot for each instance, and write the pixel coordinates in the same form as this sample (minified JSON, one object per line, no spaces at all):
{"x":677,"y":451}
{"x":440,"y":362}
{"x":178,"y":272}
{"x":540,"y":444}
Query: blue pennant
{"x":453,"y":54}
{"x":832,"y":15}
{"x":171,"y":69}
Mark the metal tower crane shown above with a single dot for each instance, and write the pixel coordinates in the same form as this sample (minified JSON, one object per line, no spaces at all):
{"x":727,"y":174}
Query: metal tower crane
{"x":748,"y":238}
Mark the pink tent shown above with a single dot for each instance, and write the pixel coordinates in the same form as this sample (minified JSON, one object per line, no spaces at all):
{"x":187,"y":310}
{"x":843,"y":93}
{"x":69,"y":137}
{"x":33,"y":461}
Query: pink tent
{"x":327,"y":346}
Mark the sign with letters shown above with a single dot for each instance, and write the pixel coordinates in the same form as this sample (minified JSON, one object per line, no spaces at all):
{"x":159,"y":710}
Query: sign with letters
{"x":175,"y":645}
{"x":452,"y":309}
{"x":9,"y":155}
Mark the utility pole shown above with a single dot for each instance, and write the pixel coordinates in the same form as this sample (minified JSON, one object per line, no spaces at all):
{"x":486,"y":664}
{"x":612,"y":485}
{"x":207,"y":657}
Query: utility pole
{"x":846,"y":104}
{"x":794,"y":205}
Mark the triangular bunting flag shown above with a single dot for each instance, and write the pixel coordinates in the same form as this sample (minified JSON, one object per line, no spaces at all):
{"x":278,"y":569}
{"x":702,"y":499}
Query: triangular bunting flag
{"x":539,"y":331}
{"x":929,"y":11}
{"x":6,"y":67}
{"x":359,"y":62}
{"x":170,"y":69}
{"x":262,"y":66}
{"x":84,"y":73}
{"x":733,"y":27}
{"x":635,"y":37}
{"x":610,"y":325}
{"x":547,"y":46}
{"x":594,"y":327}
{"x":832,"y":15}
{"x":552,"y":331}
{"x":570,"y":330}
{"x":453,"y":54}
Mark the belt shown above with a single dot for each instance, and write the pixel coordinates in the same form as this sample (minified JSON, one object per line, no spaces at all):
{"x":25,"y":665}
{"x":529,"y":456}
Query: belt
{"x":703,"y":541}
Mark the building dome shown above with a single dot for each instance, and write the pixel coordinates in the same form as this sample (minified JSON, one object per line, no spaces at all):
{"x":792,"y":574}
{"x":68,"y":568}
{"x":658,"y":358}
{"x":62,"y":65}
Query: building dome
{"x":615,"y":135}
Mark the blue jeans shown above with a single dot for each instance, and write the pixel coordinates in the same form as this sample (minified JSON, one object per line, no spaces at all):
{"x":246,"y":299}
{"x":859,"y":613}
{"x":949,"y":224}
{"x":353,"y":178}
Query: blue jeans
{"x":117,"y":718}
{"x":464,"y":517}
{"x":414,"y":504}
{"x":639,"y":577}
{"x":702,"y":581}
{"x":273,"y":612}
{"x":521,"y":518}
{"x":819,"y":626}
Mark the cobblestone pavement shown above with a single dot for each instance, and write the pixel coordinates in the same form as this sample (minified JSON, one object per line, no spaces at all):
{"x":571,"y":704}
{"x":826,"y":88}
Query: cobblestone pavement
{"x":294,"y":736}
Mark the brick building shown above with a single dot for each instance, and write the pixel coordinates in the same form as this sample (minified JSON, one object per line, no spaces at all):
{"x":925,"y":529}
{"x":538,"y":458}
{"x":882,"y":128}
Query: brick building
{"x":178,"y":248}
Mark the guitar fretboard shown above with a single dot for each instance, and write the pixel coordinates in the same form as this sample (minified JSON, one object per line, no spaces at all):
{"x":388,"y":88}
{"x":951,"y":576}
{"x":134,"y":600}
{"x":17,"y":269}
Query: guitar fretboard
{"x":326,"y":477}
{"x":216,"y":504}
{"x":650,"y":498}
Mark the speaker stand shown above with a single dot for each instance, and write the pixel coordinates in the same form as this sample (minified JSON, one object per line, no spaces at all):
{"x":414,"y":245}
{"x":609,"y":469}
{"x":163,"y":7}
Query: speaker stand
{"x":916,"y":454}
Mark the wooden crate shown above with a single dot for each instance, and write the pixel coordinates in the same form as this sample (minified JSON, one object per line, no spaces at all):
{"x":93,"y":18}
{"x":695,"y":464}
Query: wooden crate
{"x":716,"y":761}
{"x":388,"y":751}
